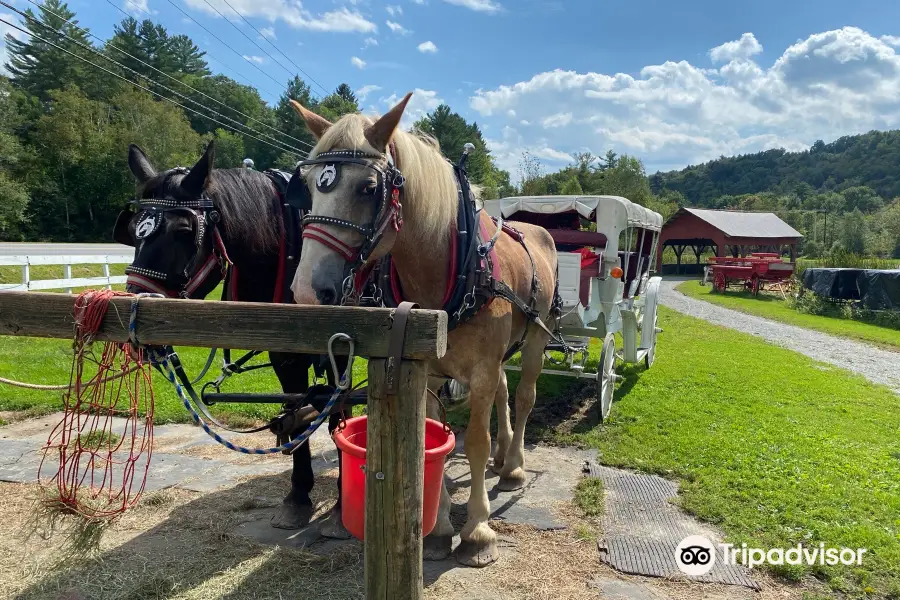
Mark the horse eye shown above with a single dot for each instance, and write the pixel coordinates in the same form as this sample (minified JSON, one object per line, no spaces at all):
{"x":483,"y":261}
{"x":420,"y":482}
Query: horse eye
{"x":370,"y":189}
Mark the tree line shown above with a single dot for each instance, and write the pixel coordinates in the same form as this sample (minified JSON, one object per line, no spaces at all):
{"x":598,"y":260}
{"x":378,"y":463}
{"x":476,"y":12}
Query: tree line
{"x":70,"y":107}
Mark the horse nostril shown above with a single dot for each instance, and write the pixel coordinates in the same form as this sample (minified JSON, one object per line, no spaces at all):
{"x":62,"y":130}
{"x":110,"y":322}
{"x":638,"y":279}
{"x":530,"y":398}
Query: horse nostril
{"x":327,"y":296}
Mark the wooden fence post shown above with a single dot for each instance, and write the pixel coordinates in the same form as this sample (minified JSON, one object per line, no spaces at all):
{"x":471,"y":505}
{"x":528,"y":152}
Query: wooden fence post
{"x":395,"y":463}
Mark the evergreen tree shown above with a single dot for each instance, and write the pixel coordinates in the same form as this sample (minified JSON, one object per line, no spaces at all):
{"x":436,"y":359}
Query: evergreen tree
{"x":37,"y":66}
{"x":187,"y":58}
{"x":346,"y":93}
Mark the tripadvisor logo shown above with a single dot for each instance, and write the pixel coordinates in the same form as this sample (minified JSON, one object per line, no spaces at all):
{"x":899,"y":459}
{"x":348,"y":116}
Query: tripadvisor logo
{"x":696,"y":555}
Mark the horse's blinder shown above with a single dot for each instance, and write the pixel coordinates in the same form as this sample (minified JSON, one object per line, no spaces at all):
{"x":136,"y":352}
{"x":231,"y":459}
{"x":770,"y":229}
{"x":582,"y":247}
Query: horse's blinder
{"x":151,"y":212}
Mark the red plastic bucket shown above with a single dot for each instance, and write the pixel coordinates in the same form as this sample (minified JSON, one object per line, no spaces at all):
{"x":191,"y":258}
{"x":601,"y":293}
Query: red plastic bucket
{"x":352,"y":442}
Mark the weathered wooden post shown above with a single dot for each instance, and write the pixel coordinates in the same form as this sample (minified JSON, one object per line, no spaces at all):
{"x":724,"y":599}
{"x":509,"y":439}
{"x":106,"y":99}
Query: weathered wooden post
{"x":395,"y":469}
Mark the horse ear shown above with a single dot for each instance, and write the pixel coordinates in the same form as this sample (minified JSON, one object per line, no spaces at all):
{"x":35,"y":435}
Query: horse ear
{"x":380,"y":132}
{"x":196,"y":181}
{"x":139,"y":164}
{"x":316,"y":124}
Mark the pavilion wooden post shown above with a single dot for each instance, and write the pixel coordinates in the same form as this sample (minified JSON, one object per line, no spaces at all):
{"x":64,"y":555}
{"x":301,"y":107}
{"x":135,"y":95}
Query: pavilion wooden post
{"x":395,"y":471}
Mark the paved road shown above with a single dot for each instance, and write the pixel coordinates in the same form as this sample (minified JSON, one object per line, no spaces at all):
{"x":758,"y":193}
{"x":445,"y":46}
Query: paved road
{"x":25,"y":249}
{"x":875,"y":364}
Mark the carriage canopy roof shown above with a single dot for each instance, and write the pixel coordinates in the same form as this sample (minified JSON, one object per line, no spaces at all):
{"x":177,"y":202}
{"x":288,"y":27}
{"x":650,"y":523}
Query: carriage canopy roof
{"x":586,"y":206}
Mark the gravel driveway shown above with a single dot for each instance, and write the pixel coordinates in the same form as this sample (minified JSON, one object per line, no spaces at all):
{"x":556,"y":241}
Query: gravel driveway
{"x":875,"y":364}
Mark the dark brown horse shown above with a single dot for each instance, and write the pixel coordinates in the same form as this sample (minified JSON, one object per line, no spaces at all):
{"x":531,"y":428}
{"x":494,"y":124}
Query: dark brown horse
{"x":188,"y":223}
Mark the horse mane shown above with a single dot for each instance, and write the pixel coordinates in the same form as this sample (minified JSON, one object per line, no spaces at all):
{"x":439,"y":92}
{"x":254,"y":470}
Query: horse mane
{"x":246,"y":199}
{"x":429,"y":194}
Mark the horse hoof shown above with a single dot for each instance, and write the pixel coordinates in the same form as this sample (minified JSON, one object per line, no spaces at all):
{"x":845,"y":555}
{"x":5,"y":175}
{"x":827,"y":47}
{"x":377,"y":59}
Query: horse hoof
{"x":512,"y":481}
{"x":292,"y":516}
{"x":497,"y":465}
{"x":437,"y":547}
{"x":474,"y":554}
{"x":333,"y":527}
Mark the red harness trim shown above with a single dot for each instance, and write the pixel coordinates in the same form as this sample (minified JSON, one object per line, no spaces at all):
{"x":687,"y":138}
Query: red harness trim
{"x":318,"y":234}
{"x":396,"y":289}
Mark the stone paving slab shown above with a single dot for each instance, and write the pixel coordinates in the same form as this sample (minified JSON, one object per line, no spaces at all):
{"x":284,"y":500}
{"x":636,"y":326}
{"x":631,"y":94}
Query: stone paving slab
{"x":210,"y":468}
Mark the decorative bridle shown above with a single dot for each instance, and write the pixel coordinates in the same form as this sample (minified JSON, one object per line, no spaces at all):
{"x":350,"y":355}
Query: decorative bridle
{"x":388,"y":212}
{"x":198,"y":272}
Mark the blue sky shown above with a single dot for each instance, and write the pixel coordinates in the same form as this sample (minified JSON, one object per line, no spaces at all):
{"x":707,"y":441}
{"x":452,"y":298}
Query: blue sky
{"x":673,"y":83}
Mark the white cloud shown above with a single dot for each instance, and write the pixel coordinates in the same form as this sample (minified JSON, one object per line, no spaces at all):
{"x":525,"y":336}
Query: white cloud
{"x":422,"y":101}
{"x":4,"y":29}
{"x":743,"y":48}
{"x":397,"y":27}
{"x":420,"y":2}
{"x":291,"y":12}
{"x":427,"y":47}
{"x":363,"y":92}
{"x":256,"y":59}
{"x":268,"y":32}
{"x":394,"y":10}
{"x":136,"y":8}
{"x":358,"y":62}
{"x":830,"y":84}
{"x":369,"y":41}
{"x":485,"y":6}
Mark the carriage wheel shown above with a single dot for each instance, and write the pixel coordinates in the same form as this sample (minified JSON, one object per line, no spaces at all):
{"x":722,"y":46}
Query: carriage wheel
{"x":754,"y":286}
{"x":606,"y":375}
{"x":720,"y":283}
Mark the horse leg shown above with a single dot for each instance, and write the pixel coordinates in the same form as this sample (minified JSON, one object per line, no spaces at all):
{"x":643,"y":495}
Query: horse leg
{"x":512,"y":477}
{"x":479,"y":542}
{"x":297,"y":508}
{"x":438,"y":544}
{"x":504,"y":429}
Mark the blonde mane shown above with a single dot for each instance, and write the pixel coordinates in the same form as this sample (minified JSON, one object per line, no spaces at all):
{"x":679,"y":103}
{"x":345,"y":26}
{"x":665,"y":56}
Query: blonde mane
{"x":429,"y":194}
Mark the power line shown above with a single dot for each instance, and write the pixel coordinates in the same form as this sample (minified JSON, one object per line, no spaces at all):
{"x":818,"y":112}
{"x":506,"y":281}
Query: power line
{"x":271,"y":43}
{"x":125,"y":79}
{"x":224,"y":44}
{"x":240,"y":75}
{"x":284,"y":146}
{"x":110,"y":45}
{"x":252,"y":41}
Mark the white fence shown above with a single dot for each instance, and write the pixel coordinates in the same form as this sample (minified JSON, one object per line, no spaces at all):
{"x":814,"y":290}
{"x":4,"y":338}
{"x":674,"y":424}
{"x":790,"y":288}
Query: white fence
{"x":67,"y":282}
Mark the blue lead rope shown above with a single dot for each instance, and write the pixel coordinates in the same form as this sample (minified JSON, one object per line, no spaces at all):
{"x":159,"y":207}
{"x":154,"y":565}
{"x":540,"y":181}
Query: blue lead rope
{"x":157,"y":357}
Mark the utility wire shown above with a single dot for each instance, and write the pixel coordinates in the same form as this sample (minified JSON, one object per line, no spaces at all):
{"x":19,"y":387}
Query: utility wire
{"x":284,"y":145}
{"x":271,"y":43}
{"x":256,"y":66}
{"x":125,"y":79}
{"x":110,"y":45}
{"x":209,"y":54}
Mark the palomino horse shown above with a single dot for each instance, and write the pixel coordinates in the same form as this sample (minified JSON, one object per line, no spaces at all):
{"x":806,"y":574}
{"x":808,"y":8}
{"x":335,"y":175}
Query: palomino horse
{"x":361,"y":173}
{"x":189,"y":222}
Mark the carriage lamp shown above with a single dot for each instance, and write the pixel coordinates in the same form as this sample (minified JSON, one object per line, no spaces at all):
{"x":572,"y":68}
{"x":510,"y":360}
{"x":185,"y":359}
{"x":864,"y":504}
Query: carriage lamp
{"x":616,"y":272}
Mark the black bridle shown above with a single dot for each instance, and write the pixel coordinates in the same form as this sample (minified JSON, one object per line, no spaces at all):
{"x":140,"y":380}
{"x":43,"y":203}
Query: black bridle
{"x":388,"y":211}
{"x":198,"y":273}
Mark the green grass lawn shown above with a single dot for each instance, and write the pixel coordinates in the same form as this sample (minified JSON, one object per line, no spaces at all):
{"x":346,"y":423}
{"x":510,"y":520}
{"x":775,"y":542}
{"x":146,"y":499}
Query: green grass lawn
{"x":769,"y":445}
{"x":774,"y":307}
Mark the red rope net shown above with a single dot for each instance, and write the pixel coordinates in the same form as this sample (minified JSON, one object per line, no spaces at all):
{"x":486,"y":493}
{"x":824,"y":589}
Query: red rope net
{"x":103,"y":443}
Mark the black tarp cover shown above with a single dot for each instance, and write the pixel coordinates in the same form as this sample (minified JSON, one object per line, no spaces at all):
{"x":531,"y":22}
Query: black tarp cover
{"x":874,"y":289}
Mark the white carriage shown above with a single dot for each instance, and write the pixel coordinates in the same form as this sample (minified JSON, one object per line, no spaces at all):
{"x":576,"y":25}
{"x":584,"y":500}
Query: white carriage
{"x":604,"y":278}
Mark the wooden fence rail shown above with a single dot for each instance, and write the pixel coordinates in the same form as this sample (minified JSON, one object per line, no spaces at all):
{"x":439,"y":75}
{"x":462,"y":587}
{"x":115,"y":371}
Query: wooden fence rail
{"x":396,"y":422}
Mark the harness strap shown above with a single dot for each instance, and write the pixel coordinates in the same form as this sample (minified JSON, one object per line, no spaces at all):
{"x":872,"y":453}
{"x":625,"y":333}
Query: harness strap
{"x":395,"y":345}
{"x":326,"y":239}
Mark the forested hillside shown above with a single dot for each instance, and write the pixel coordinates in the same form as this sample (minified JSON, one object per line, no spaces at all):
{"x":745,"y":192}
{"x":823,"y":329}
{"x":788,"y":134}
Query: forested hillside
{"x":71,"y":103}
{"x":871,"y":160}
{"x":852,"y":183}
